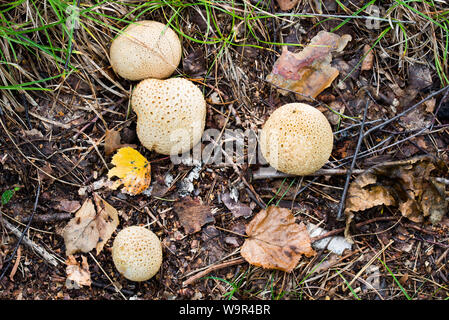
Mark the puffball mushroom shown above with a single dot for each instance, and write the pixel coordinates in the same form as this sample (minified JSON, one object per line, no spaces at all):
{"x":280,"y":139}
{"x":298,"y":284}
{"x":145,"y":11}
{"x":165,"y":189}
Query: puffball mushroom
{"x":171,"y":114}
{"x":296,"y":139}
{"x":137,"y":253}
{"x":146,"y":49}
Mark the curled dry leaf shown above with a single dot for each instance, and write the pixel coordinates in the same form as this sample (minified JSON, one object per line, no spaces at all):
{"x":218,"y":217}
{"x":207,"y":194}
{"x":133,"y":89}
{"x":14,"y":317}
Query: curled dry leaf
{"x":408,"y":184}
{"x":275,"y":240}
{"x":78,"y":275}
{"x":132,"y":169}
{"x":308,"y":72}
{"x":91,"y":227}
{"x":192,"y":214}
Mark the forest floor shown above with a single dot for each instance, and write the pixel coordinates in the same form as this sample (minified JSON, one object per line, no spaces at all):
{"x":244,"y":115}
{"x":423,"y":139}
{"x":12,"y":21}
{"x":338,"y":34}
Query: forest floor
{"x":60,"y":98}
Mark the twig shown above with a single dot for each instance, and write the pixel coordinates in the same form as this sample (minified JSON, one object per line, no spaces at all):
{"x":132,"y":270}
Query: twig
{"x":405,"y":111}
{"x":253,"y":194}
{"x":148,"y":211}
{"x":438,"y":109}
{"x":358,"y":225}
{"x":32,"y":245}
{"x":262,"y":173}
{"x":16,"y":264}
{"x":212,"y":268}
{"x":305,"y":187}
{"x":22,"y":236}
{"x":349,"y":173}
{"x":370,"y":262}
{"x":110,"y":288}
{"x":381,"y":125}
{"x":50,"y":217}
{"x":107,"y":276}
{"x":418,"y":228}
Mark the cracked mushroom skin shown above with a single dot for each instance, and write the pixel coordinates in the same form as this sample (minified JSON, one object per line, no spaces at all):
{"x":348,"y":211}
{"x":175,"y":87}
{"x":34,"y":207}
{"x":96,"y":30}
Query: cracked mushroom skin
{"x":137,"y":253}
{"x":296,"y":139}
{"x":171,"y":114}
{"x":146,"y":49}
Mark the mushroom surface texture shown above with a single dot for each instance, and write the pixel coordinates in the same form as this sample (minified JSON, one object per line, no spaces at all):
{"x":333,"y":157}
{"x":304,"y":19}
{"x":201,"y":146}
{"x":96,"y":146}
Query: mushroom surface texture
{"x":137,"y":253}
{"x":171,"y":114}
{"x":296,"y":139}
{"x":146,"y":49}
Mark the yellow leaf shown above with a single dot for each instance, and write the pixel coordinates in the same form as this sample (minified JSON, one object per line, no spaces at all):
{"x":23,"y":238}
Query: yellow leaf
{"x":132,"y":169}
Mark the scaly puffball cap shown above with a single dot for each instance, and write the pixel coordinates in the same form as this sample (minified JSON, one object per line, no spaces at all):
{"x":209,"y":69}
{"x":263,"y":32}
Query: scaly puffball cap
{"x":296,"y":139}
{"x":146,"y":49}
{"x":171,"y":114}
{"x":137,"y":253}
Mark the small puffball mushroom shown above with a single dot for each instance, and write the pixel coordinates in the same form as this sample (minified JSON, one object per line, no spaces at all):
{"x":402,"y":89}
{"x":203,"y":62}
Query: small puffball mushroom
{"x":137,"y":253}
{"x":171,"y":114}
{"x":296,"y":139}
{"x":146,"y":49}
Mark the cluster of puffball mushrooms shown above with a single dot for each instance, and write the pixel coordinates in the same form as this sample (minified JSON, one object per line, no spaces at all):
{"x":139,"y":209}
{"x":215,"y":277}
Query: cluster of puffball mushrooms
{"x":171,"y":115}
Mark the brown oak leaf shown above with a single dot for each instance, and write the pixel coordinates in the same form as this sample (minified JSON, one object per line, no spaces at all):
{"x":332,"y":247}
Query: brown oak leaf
{"x":275,"y":240}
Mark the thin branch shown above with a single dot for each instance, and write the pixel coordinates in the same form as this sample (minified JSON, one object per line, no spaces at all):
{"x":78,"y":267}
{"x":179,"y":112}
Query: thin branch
{"x":23,"y":232}
{"x":25,"y":239}
{"x":212,"y":268}
{"x":48,"y":257}
{"x":348,"y":175}
{"x":403,"y":113}
{"x":265,"y":173}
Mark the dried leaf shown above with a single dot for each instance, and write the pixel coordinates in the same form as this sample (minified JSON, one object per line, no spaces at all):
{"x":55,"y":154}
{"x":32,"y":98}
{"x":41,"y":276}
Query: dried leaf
{"x":106,"y":220}
{"x":407,"y":184}
{"x":192,"y":214}
{"x":287,"y":4}
{"x":275,"y":240}
{"x":419,"y":77}
{"x":416,"y":119}
{"x":211,"y":243}
{"x":77,"y":275}
{"x":81,"y":234}
{"x":91,"y":227}
{"x":133,"y":170}
{"x":367,"y":63}
{"x":68,"y":205}
{"x":238,"y":209}
{"x":308,"y":72}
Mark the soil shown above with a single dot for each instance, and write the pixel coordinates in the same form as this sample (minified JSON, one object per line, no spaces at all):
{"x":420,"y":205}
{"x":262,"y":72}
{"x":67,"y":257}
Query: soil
{"x":53,"y":150}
